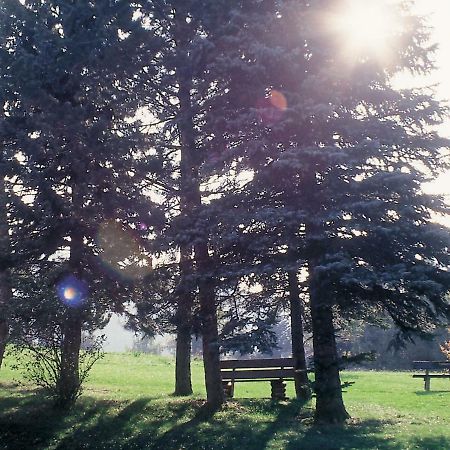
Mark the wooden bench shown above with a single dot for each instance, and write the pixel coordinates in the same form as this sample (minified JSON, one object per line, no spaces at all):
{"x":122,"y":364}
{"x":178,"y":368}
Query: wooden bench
{"x":275,"y":370}
{"x":431,"y":366}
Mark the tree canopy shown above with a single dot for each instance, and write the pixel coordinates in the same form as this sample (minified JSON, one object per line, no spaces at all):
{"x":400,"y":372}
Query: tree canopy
{"x":215,"y":163}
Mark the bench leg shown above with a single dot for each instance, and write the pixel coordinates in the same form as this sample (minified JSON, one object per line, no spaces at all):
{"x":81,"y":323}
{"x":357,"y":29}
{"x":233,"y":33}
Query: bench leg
{"x":228,"y":389}
{"x":278,"y":388}
{"x":427,"y":381}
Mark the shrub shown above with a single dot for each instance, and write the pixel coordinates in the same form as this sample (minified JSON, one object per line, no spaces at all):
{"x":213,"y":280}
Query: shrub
{"x":39,"y":360}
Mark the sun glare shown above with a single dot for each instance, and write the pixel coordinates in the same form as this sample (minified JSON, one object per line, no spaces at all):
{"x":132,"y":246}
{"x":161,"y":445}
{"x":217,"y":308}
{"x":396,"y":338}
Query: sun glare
{"x":366,"y":27}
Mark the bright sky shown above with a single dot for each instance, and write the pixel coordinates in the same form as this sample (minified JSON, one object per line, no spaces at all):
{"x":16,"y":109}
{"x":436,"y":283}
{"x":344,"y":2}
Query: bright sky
{"x":438,"y":13}
{"x":368,"y":27}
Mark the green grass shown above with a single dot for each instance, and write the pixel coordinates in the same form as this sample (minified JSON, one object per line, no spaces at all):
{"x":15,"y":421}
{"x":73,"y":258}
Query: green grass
{"x":127,"y":404}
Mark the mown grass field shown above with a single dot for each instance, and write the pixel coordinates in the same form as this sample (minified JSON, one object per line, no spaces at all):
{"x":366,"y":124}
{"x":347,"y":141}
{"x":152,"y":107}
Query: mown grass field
{"x":127,"y":404}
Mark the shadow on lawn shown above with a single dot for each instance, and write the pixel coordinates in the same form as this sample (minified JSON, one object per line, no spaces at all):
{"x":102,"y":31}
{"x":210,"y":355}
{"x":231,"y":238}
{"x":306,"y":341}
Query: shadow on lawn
{"x":31,"y":422}
{"x":431,"y":393}
{"x":231,"y":428}
{"x":360,"y":436}
{"x":169,"y":424}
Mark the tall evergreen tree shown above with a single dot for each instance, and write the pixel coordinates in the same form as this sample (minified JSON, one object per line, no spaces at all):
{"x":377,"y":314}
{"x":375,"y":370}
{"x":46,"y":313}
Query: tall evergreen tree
{"x":351,"y":152}
{"x":201,"y":66}
{"x":203,"y":52}
{"x":75,"y":65}
{"x":179,"y":94}
{"x":11,"y":125}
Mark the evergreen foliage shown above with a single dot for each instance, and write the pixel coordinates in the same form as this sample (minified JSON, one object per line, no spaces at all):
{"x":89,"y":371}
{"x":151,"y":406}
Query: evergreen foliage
{"x":267,"y":171}
{"x":336,"y":187}
{"x":82,"y":161}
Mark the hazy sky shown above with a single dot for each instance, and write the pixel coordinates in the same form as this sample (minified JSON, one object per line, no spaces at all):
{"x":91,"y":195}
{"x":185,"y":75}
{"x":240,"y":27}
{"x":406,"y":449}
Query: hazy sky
{"x":439,"y":19}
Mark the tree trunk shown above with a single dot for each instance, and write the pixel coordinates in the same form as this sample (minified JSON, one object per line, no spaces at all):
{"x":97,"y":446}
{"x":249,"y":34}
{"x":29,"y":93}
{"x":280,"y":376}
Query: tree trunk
{"x":330,"y":407}
{"x":5,"y":298}
{"x":69,"y":380}
{"x":5,"y":281}
{"x":191,"y":204}
{"x":210,"y":335}
{"x":69,"y":376}
{"x":183,"y":382}
{"x":302,"y":388}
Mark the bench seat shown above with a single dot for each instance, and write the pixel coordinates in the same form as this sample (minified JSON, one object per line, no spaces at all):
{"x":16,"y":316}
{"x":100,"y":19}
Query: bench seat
{"x":275,"y":370}
{"x":258,"y":374}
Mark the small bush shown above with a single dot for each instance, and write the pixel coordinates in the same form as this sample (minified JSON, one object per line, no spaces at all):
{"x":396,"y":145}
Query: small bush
{"x":39,"y":360}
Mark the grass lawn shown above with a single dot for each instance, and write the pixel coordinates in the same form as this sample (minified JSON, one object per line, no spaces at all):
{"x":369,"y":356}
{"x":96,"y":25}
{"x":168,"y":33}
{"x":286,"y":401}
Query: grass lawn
{"x":127,"y":404}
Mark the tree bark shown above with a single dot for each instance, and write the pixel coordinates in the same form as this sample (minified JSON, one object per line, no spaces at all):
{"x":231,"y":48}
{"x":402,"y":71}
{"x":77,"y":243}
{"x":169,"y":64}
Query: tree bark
{"x":183,"y":382}
{"x":191,"y":205}
{"x":69,"y":379}
{"x":330,"y":407}
{"x":5,"y":276}
{"x":302,"y":389}
{"x":210,"y":335}
{"x":69,"y":376}
{"x":5,"y":298}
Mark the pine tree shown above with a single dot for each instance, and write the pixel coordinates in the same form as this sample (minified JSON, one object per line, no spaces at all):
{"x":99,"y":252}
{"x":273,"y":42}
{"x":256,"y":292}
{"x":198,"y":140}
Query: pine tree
{"x":347,"y":154}
{"x":9,"y":125}
{"x":203,"y":49}
{"x":179,"y":94}
{"x":75,"y":66}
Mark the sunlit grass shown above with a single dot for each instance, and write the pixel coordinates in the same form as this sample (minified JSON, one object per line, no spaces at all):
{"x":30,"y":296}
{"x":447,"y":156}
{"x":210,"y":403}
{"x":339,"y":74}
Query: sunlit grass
{"x":128,"y":404}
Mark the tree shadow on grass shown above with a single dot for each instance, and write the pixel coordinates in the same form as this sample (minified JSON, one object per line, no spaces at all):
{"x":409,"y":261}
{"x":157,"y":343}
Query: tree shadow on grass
{"x":256,"y":425}
{"x":353,"y":435}
{"x":109,"y":428}
{"x":169,"y":424}
{"x":364,"y":434}
{"x":144,"y":424}
{"x":33,"y":423}
{"x":162,"y":424}
{"x":431,"y":393}
{"x":133,"y":425}
{"x":188,"y":424}
{"x":234,"y":427}
{"x":431,"y":443}
{"x":16,"y":402}
{"x":290,"y":428}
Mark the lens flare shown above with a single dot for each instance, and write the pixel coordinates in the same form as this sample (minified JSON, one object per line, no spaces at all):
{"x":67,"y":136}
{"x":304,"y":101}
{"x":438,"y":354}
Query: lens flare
{"x":272,"y":107}
{"x":72,"y":291}
{"x":69,"y":293}
{"x":278,"y":100}
{"x":120,"y":250}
